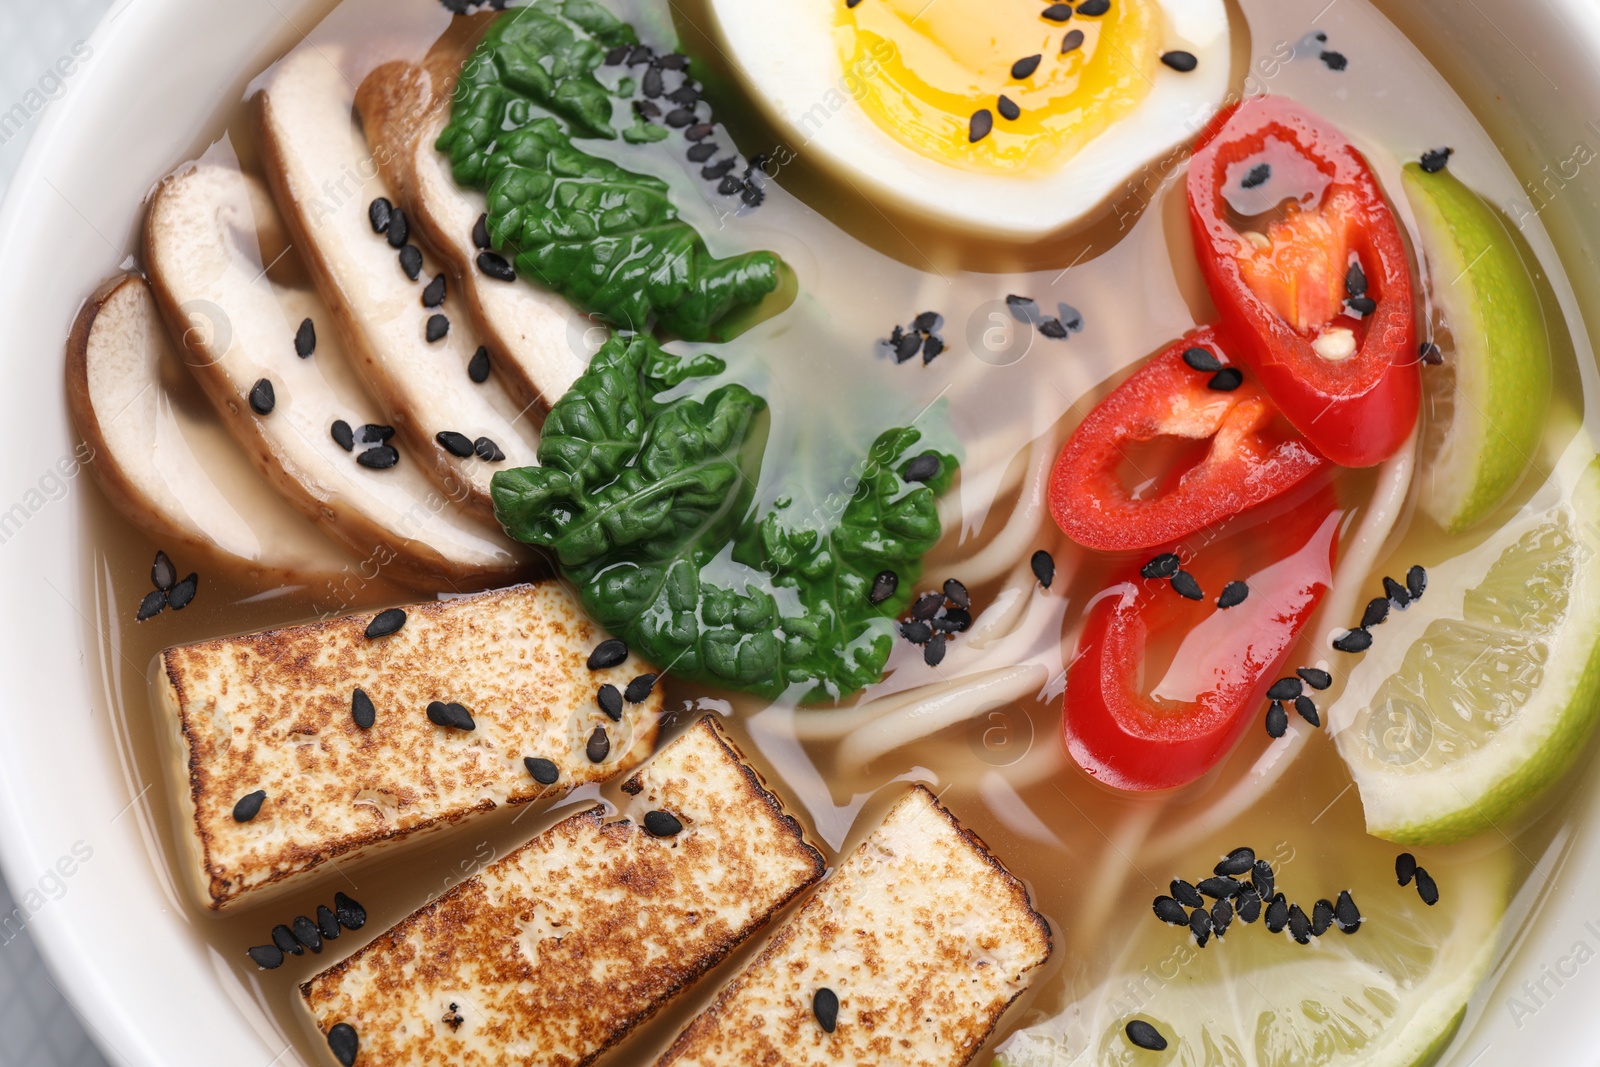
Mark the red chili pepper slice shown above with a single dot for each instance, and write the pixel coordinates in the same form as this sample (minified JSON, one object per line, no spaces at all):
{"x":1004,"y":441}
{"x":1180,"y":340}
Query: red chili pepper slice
{"x":1163,"y":687}
{"x":1341,"y":369}
{"x":1251,"y":456}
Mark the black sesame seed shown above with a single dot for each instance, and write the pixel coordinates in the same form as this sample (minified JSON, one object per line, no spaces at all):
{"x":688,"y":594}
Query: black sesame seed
{"x":1257,"y":176}
{"x":1307,"y":710}
{"x":183,"y":592}
{"x":362,"y":710}
{"x":495,"y":266}
{"x":1357,"y":640}
{"x":610,"y":700}
{"x":1170,"y":911}
{"x":153,"y":604}
{"x":544,"y":771}
{"x":982,"y":122}
{"x":379,"y":459}
{"x":1315,"y":678}
{"x":932,"y":345}
{"x":487,"y":450}
{"x":1221,"y":917}
{"x":398,"y":229}
{"x":662,"y":824}
{"x":718,"y":169}
{"x":933,"y":651}
{"x":918,"y":633}
{"x":162,"y":572}
{"x":924,"y":467}
{"x":284,"y":941}
{"x":647,"y":109}
{"x":352,"y":916}
{"x":306,"y":932}
{"x":1334,"y":60}
{"x":1249,"y":906}
{"x":480,"y":232}
{"x":1434,"y":160}
{"x":957,"y":593}
{"x":679,"y":117}
{"x":1053,"y":328}
{"x":699,"y":132}
{"x":1072,"y":41}
{"x":1233,"y":594}
{"x":262,"y":397}
{"x":703,"y":151}
{"x":1345,"y":912}
{"x":927,"y":606}
{"x":1376,"y":611}
{"x":1321,"y":917}
{"x":1202,"y":359}
{"x":1427,"y":888}
{"x":457,"y":444}
{"x":1044,"y":567}
{"x":433,"y":295}
{"x":599,"y":746}
{"x":1057,"y":12}
{"x":1023,"y":308}
{"x":1355,"y":280}
{"x":248,"y":806}
{"x":883,"y":587}
{"x":452,"y":716}
{"x":673,"y":61}
{"x":1162,"y":566}
{"x":437,"y":327}
{"x":343,"y":435}
{"x":1430,"y":353}
{"x":1416,"y":582}
{"x":1220,"y":888}
{"x":305,"y":339}
{"x":1180,"y":61}
{"x":1226,"y":380}
{"x":1185,"y":894}
{"x":373,"y":432}
{"x":1200,"y":926}
{"x":1071,"y":317}
{"x":1362,"y":305}
{"x":411,"y":261}
{"x":327,"y":923}
{"x":1285,"y":689}
{"x":1262,"y":878}
{"x":379,"y":213}
{"x":617,"y":55}
{"x":1184,"y":585}
{"x":386,"y":622}
{"x":642,"y":53}
{"x":478,"y":366}
{"x":638,"y":690}
{"x":684,"y":95}
{"x":1299,"y":925}
{"x":1239,"y":861}
{"x":1277,"y":721}
{"x":607,"y":654}
{"x":267,"y":957}
{"x":1025,"y":66}
{"x":905,"y":344}
{"x":1277,"y":915}
{"x":1008,"y":108}
{"x":1145,"y":1036}
{"x":954,"y":621}
{"x":825,"y":1006}
{"x":344,"y":1043}
{"x":1397,"y":593}
{"x":650,"y":85}
{"x":1094,"y":8}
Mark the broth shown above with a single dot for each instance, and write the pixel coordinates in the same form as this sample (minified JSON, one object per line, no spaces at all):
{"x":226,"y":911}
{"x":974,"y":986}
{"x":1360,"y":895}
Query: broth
{"x":1092,"y":858}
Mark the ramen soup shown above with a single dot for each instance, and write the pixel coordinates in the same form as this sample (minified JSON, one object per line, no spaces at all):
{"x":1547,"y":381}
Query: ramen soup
{"x":1155,"y":428}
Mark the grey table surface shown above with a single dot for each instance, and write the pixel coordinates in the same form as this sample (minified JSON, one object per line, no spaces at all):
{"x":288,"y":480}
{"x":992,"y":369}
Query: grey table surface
{"x":37,"y":1027}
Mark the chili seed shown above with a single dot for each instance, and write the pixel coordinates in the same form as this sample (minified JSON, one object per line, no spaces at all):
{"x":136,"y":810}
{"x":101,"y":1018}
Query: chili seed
{"x":1249,"y":906}
{"x":1008,"y":108}
{"x":544,"y":771}
{"x":599,"y":746}
{"x":1094,"y":8}
{"x":1057,"y":12}
{"x":1262,"y":878}
{"x":437,"y":327}
{"x":284,"y":941}
{"x":1277,"y":916}
{"x":1226,"y":380}
{"x":1144,"y":1036}
{"x":1345,"y":912}
{"x":608,"y":653}
{"x":1357,"y":640}
{"x":1170,"y":911}
{"x":496,"y":266}
{"x":1334,"y":60}
{"x":1427,"y":888}
{"x":1315,"y":678}
{"x":378,"y":213}
{"x":1307,"y":709}
{"x":379,"y":459}
{"x":362,"y":710}
{"x":1239,"y":861}
{"x":957,"y":593}
{"x":386,"y":622}
{"x":1299,"y":925}
{"x":344,"y":1043}
{"x":327,"y":923}
{"x":1072,"y":41}
{"x":262,"y":397}
{"x":305,"y":339}
{"x":1221,"y":917}
{"x":1259,"y":174}
{"x":1053,"y":329}
{"x":480,"y":232}
{"x":1220,"y":888}
{"x":933,"y":651}
{"x":1184,"y":584}
{"x":457,"y":444}
{"x":1202,"y":359}
{"x":343,"y":435}
{"x":1434,"y":160}
{"x":662,"y":824}
{"x":398,"y":229}
{"x":306,"y":932}
{"x":182,"y":593}
{"x":452,"y":716}
{"x":1200,"y":926}
{"x":1377,"y":610}
{"x":487,"y":450}
{"x":248,"y":806}
{"x":153,"y":604}
{"x":1285,"y":689}
{"x":1321,"y":917}
{"x":1162,"y":566}
{"x":267,"y":957}
{"x":478,"y":366}
{"x":1277,"y":721}
{"x":883,"y":587}
{"x":1233,"y":594}
{"x":918,"y":633}
{"x":924,"y":467}
{"x":610,"y":699}
{"x":825,"y":1006}
{"x":352,"y":916}
{"x":411,"y":261}
{"x":982,"y":122}
{"x":433,"y":295}
{"x":1416,"y":582}
{"x":1185,"y":894}
{"x":638,"y":690}
{"x":1044,"y":567}
{"x":1180,"y":61}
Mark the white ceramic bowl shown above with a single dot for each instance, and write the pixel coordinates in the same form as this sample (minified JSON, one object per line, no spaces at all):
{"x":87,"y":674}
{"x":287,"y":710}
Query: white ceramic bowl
{"x":71,"y":844}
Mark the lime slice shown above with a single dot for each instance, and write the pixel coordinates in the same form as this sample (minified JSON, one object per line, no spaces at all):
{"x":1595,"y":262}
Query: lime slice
{"x":1488,"y":400}
{"x":1392,"y":994}
{"x":1477,"y":697}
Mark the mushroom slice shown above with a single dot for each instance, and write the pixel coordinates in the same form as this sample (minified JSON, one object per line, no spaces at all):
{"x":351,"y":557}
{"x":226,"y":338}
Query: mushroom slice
{"x":324,"y":181}
{"x":164,"y":458}
{"x":204,"y":240}
{"x":538,"y":342}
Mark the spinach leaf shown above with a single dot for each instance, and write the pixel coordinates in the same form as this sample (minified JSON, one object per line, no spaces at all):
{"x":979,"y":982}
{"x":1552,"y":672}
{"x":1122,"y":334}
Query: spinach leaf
{"x":645,"y":503}
{"x":608,"y":239}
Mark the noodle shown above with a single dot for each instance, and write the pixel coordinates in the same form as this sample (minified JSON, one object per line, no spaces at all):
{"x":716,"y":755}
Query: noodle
{"x":958,"y":702}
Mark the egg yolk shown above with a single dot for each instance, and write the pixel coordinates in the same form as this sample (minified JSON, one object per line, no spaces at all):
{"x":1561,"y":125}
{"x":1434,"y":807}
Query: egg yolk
{"x":922,"y":70}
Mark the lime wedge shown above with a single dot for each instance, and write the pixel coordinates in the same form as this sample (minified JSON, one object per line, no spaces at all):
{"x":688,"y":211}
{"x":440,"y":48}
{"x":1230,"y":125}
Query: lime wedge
{"x":1392,"y":994}
{"x":1488,"y":400}
{"x":1478,"y":696}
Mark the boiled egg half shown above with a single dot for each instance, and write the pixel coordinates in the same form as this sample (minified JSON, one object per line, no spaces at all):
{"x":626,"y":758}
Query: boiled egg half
{"x":1012,"y":118}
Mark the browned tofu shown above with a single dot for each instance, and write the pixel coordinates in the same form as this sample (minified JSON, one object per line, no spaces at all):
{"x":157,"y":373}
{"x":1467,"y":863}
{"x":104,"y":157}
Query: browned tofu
{"x":555,"y":952}
{"x":921,"y":935}
{"x":273,"y":712}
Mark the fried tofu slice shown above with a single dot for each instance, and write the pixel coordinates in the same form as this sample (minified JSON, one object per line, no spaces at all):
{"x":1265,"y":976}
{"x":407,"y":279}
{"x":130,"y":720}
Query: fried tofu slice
{"x":554,"y":953}
{"x":277,"y":712}
{"x":921,"y":935}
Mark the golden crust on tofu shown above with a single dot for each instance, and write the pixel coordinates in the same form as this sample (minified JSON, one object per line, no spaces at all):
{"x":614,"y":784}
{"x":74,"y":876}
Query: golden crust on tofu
{"x":272,"y":711}
{"x":923,"y":936}
{"x":554,"y":953}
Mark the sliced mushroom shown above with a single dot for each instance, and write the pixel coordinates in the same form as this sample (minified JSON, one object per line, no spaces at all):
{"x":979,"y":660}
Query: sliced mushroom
{"x":540,"y":343}
{"x":323,"y":180}
{"x":205,"y":237}
{"x":164,"y":458}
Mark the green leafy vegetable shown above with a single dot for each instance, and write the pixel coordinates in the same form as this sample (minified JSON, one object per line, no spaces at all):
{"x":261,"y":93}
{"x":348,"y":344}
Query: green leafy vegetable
{"x":643,"y":496}
{"x":608,"y":239}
